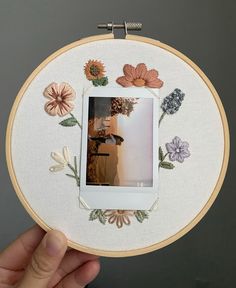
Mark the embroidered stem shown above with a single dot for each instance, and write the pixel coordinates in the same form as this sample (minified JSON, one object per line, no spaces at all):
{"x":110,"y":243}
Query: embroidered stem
{"x":165,"y":156}
{"x":72,"y":115}
{"x":74,"y":170}
{"x":69,"y":175}
{"x":165,"y":164}
{"x":162,"y":116}
{"x":75,"y":163}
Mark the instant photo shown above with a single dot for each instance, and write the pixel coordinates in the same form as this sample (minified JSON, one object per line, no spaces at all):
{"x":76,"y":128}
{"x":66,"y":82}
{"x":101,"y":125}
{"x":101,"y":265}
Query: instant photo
{"x":119,"y":149}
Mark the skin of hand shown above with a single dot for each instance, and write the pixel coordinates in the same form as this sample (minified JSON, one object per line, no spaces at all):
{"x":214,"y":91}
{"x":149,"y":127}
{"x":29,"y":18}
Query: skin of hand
{"x":41,"y":260}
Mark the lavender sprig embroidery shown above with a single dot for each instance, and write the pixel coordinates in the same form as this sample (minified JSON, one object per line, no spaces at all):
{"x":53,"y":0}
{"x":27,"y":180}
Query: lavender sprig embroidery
{"x":172,"y":103}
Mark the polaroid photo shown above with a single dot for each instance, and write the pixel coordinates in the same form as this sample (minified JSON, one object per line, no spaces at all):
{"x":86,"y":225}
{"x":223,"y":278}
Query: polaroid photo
{"x":119,"y":159}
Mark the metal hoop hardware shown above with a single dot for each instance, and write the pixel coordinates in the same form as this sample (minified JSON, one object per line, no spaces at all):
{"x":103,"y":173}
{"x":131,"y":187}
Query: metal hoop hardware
{"x":127,"y":26}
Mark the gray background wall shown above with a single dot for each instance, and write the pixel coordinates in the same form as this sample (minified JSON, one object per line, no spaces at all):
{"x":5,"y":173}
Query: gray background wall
{"x":30,"y":30}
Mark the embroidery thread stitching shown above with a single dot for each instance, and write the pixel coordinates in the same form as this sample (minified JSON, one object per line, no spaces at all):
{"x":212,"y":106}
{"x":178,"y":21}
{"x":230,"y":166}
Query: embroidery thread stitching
{"x":60,"y":103}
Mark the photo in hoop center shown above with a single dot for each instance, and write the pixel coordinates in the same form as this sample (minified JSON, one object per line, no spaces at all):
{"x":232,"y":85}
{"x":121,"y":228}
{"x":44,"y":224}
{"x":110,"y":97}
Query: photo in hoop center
{"x":120,"y":142}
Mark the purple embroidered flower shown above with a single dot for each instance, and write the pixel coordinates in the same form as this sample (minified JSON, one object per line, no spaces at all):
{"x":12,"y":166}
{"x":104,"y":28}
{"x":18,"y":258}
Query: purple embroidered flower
{"x":178,"y":149}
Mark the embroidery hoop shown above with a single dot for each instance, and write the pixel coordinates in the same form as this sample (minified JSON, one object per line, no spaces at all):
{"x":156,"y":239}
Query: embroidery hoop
{"x":181,"y":232}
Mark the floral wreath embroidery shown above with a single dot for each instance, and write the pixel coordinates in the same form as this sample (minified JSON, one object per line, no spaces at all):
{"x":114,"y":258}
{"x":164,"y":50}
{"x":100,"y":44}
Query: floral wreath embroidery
{"x":60,"y":103}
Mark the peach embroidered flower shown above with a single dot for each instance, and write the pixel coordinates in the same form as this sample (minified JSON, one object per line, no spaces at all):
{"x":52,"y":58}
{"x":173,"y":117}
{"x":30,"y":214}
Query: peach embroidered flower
{"x":94,"y":69}
{"x":60,"y":96}
{"x":119,"y":217}
{"x":139,"y":77}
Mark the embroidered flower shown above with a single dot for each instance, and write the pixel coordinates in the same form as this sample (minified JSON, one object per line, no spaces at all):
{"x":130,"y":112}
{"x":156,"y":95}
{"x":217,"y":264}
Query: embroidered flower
{"x":119,"y":217}
{"x":178,"y":150}
{"x":62,"y":159}
{"x":60,"y":96}
{"x":173,"y":101}
{"x":139,"y":77}
{"x":94,"y":69}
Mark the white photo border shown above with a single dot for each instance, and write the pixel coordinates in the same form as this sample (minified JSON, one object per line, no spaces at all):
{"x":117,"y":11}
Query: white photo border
{"x":118,"y":197}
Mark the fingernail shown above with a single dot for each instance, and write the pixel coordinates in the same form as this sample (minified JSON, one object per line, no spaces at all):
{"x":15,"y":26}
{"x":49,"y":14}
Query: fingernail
{"x":53,"y":243}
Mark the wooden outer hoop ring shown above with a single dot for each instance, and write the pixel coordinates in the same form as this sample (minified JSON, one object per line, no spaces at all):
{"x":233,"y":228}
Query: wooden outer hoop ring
{"x":172,"y":238}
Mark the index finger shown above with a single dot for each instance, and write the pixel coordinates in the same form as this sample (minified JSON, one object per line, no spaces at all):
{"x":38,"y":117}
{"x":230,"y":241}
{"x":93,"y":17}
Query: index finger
{"x":18,"y":254}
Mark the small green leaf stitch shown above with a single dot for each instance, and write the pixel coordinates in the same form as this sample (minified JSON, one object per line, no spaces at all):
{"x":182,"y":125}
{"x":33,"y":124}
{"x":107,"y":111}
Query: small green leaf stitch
{"x":161,"y":154}
{"x":97,"y":214}
{"x":69,"y":175}
{"x":166,"y":165}
{"x":102,"y":217}
{"x":93,"y":215}
{"x":100,"y":82}
{"x":75,"y":163}
{"x":69,"y":122}
{"x":141,"y":215}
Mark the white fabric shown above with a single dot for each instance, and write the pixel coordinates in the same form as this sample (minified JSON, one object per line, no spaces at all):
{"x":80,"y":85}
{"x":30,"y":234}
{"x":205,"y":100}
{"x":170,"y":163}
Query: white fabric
{"x":183,"y":191}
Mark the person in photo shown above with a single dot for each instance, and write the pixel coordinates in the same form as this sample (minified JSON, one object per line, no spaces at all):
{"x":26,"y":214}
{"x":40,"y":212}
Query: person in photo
{"x":111,"y":139}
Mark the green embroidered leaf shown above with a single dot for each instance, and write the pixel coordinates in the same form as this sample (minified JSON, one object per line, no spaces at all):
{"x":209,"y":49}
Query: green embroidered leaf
{"x":72,"y":176}
{"x":166,"y":165}
{"x":100,"y":82}
{"x":97,"y":214}
{"x":102,"y":217}
{"x":141,"y":215}
{"x":75,"y":163}
{"x":69,"y":122}
{"x":93,"y":215}
{"x":161,"y":154}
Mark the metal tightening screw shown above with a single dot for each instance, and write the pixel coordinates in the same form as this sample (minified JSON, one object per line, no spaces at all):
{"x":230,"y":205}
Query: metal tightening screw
{"x":134,"y":26}
{"x":128,"y":26}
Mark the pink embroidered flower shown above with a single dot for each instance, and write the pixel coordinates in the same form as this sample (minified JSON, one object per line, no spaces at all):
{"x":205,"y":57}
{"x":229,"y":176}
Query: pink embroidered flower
{"x":119,"y":217}
{"x":139,"y":77}
{"x":60,"y":96}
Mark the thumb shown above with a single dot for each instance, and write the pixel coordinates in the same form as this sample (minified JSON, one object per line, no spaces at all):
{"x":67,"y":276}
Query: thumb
{"x":45,"y":260}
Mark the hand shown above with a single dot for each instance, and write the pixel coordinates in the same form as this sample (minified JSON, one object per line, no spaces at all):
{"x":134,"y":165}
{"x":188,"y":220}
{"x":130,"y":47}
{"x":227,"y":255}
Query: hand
{"x":41,"y":260}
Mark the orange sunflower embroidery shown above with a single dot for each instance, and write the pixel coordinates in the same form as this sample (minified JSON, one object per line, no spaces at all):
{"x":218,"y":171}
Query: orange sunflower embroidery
{"x":119,"y":217}
{"x":60,"y":96}
{"x":139,"y":77}
{"x":94,"y":69}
